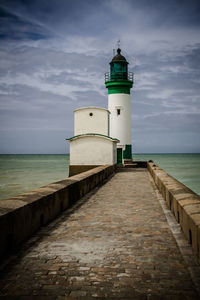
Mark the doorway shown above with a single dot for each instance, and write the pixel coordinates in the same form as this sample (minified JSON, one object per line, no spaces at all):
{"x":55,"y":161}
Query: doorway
{"x":119,"y":156}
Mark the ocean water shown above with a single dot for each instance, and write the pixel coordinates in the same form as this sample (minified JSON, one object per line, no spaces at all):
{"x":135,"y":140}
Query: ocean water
{"x":183,"y":167}
{"x":22,"y":173}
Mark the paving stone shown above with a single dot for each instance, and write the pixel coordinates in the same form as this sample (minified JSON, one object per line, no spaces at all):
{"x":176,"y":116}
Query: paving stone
{"x":116,"y":245}
{"x":78,"y":293}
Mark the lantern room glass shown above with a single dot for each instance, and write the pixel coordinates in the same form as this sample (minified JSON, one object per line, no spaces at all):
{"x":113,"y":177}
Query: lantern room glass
{"x":118,"y":70}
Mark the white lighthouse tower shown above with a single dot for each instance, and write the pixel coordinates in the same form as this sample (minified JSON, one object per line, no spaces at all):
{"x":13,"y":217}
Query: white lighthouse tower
{"x":119,"y":82}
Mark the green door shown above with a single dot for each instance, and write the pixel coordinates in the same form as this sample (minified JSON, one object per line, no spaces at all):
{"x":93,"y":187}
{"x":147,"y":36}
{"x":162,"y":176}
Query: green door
{"x":119,"y":156}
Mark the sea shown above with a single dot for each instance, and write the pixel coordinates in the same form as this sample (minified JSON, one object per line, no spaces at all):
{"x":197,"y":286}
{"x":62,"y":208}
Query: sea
{"x":20,"y":173}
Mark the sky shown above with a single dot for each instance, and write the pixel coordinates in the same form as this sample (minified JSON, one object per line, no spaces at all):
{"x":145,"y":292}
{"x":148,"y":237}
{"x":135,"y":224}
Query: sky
{"x":54,"y":54}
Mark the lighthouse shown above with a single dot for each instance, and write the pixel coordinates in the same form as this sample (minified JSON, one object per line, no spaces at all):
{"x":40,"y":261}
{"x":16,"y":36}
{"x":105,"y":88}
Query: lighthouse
{"x":119,"y":83}
{"x":103,"y":136}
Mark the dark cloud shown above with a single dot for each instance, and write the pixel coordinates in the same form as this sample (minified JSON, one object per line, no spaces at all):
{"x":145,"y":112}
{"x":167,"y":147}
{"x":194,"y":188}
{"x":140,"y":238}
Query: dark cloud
{"x":43,"y":19}
{"x":14,"y":26}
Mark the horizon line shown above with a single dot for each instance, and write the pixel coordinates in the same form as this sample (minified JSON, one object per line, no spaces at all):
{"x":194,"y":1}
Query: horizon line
{"x":138,"y":153}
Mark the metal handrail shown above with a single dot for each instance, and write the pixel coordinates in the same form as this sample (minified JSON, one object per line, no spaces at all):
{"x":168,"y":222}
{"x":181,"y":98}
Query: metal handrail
{"x":114,"y":76}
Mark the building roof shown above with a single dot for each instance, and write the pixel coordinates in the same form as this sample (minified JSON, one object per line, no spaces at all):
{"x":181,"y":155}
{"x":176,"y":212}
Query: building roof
{"x":119,"y":57}
{"x":92,"y":134}
{"x":92,"y":107}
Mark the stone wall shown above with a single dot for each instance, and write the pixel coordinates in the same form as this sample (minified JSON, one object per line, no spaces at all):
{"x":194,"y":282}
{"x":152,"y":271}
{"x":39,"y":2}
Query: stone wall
{"x":74,"y":170}
{"x":22,"y":215}
{"x":183,"y":202}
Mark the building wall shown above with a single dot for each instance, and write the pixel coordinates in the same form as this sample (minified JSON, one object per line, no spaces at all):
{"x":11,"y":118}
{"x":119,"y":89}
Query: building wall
{"x":120,"y":124}
{"x":92,"y":150}
{"x":91,"y":120}
{"x":114,"y":153}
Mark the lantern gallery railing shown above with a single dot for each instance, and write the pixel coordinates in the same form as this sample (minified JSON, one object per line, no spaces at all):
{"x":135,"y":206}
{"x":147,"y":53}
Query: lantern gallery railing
{"x":118,"y":76}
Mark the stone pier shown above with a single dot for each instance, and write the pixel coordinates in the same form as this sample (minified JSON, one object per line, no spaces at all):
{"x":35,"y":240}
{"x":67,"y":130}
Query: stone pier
{"x":119,"y":241}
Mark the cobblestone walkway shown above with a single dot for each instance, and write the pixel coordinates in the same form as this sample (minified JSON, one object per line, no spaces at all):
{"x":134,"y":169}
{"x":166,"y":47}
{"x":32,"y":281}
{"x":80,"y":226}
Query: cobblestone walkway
{"x":115,"y":244}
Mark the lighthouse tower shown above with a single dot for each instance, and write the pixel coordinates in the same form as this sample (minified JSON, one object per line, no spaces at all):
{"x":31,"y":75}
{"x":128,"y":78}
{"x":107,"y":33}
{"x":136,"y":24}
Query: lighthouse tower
{"x":119,"y":82}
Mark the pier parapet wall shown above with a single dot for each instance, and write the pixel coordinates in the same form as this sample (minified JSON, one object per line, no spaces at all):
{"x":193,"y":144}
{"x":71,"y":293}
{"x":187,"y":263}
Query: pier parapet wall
{"x":22,"y":215}
{"x":183,"y":202}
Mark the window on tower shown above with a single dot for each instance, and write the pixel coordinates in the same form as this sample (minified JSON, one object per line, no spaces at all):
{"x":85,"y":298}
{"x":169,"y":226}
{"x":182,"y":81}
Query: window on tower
{"x":118,"y":111}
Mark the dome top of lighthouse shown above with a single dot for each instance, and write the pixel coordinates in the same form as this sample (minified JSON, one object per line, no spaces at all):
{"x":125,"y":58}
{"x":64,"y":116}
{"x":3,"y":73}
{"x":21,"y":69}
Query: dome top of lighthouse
{"x":119,"y":57}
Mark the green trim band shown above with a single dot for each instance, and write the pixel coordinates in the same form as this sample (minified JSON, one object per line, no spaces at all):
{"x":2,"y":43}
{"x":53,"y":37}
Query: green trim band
{"x":118,"y":90}
{"x":92,"y":134}
{"x":119,"y":87}
{"x":127,"y":153}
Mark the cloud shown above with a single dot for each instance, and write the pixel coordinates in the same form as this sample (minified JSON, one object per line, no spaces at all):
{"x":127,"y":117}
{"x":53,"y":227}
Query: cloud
{"x":53,"y":56}
{"x":18,"y":26}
